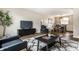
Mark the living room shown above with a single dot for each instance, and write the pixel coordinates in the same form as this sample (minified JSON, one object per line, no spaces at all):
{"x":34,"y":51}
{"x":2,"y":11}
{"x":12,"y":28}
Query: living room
{"x":51,"y":18}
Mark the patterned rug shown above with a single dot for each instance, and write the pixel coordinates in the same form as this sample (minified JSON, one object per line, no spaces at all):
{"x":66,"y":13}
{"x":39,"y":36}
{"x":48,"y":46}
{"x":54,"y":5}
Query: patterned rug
{"x":67,"y":44}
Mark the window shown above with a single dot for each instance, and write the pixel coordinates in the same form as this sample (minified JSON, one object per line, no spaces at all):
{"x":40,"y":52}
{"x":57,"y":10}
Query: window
{"x":65,"y":20}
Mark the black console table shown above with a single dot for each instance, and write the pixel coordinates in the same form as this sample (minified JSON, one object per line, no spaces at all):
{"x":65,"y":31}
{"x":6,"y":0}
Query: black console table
{"x":24,"y":32}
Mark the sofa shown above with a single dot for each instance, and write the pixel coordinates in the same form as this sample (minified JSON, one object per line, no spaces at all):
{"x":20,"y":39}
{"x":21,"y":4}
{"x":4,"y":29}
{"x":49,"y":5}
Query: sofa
{"x":12,"y":44}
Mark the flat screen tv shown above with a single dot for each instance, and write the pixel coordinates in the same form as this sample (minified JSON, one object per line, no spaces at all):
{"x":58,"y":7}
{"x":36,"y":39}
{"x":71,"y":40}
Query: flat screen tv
{"x":26,"y":25}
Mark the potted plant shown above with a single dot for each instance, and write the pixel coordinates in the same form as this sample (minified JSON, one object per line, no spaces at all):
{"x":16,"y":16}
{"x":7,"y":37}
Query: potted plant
{"x":5,"y":20}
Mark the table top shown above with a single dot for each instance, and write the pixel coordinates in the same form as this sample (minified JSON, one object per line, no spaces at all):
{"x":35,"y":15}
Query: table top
{"x":47,"y":39}
{"x":32,"y":36}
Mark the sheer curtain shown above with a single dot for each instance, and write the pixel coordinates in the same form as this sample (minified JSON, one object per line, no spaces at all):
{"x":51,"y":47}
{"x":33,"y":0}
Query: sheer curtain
{"x":50,"y":23}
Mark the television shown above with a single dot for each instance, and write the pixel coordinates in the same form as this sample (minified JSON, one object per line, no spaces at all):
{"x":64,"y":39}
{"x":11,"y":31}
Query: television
{"x":26,"y":24}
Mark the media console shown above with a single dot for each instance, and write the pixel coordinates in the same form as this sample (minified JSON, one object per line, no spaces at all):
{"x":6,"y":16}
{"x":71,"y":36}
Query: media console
{"x":23,"y":32}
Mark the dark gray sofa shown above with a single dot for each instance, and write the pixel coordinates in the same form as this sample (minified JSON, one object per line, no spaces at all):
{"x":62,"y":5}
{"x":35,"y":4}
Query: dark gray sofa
{"x":12,"y":44}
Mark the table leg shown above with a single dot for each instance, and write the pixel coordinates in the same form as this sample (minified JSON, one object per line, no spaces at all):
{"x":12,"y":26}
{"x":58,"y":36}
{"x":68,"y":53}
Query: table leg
{"x":60,"y":41}
{"x":47,"y":47}
{"x":27,"y":46}
{"x":38,"y":45}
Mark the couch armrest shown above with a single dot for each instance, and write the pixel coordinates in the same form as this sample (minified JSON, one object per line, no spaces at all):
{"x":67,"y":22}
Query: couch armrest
{"x":8,"y":39}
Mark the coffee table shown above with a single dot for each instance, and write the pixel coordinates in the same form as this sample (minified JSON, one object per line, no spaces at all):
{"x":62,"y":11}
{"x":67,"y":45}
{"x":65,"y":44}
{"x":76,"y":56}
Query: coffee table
{"x":41,"y":37}
{"x":47,"y":40}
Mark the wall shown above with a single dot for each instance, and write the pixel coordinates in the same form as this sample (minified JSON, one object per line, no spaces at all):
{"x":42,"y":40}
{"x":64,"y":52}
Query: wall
{"x":57,"y":20}
{"x":1,"y":30}
{"x":22,"y":14}
{"x":70,"y":25}
{"x":76,"y":23}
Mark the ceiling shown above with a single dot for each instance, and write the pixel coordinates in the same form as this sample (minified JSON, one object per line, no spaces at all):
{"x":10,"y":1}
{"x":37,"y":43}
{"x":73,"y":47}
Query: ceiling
{"x":52,"y":11}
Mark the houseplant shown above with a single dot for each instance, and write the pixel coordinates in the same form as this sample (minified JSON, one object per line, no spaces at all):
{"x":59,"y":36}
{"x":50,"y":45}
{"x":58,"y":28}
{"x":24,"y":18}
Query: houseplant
{"x":5,"y":20}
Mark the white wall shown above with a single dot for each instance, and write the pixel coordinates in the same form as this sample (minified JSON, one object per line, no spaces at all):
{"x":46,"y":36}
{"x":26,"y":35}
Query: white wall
{"x":76,"y":23}
{"x":70,"y":24}
{"x":1,"y":30}
{"x":22,"y":14}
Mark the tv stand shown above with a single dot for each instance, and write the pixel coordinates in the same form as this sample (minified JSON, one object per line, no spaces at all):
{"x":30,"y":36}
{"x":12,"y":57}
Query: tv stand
{"x":23,"y":32}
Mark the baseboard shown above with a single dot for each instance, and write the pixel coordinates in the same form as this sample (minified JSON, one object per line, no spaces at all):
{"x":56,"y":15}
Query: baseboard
{"x":76,"y":38}
{"x":70,"y":31}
